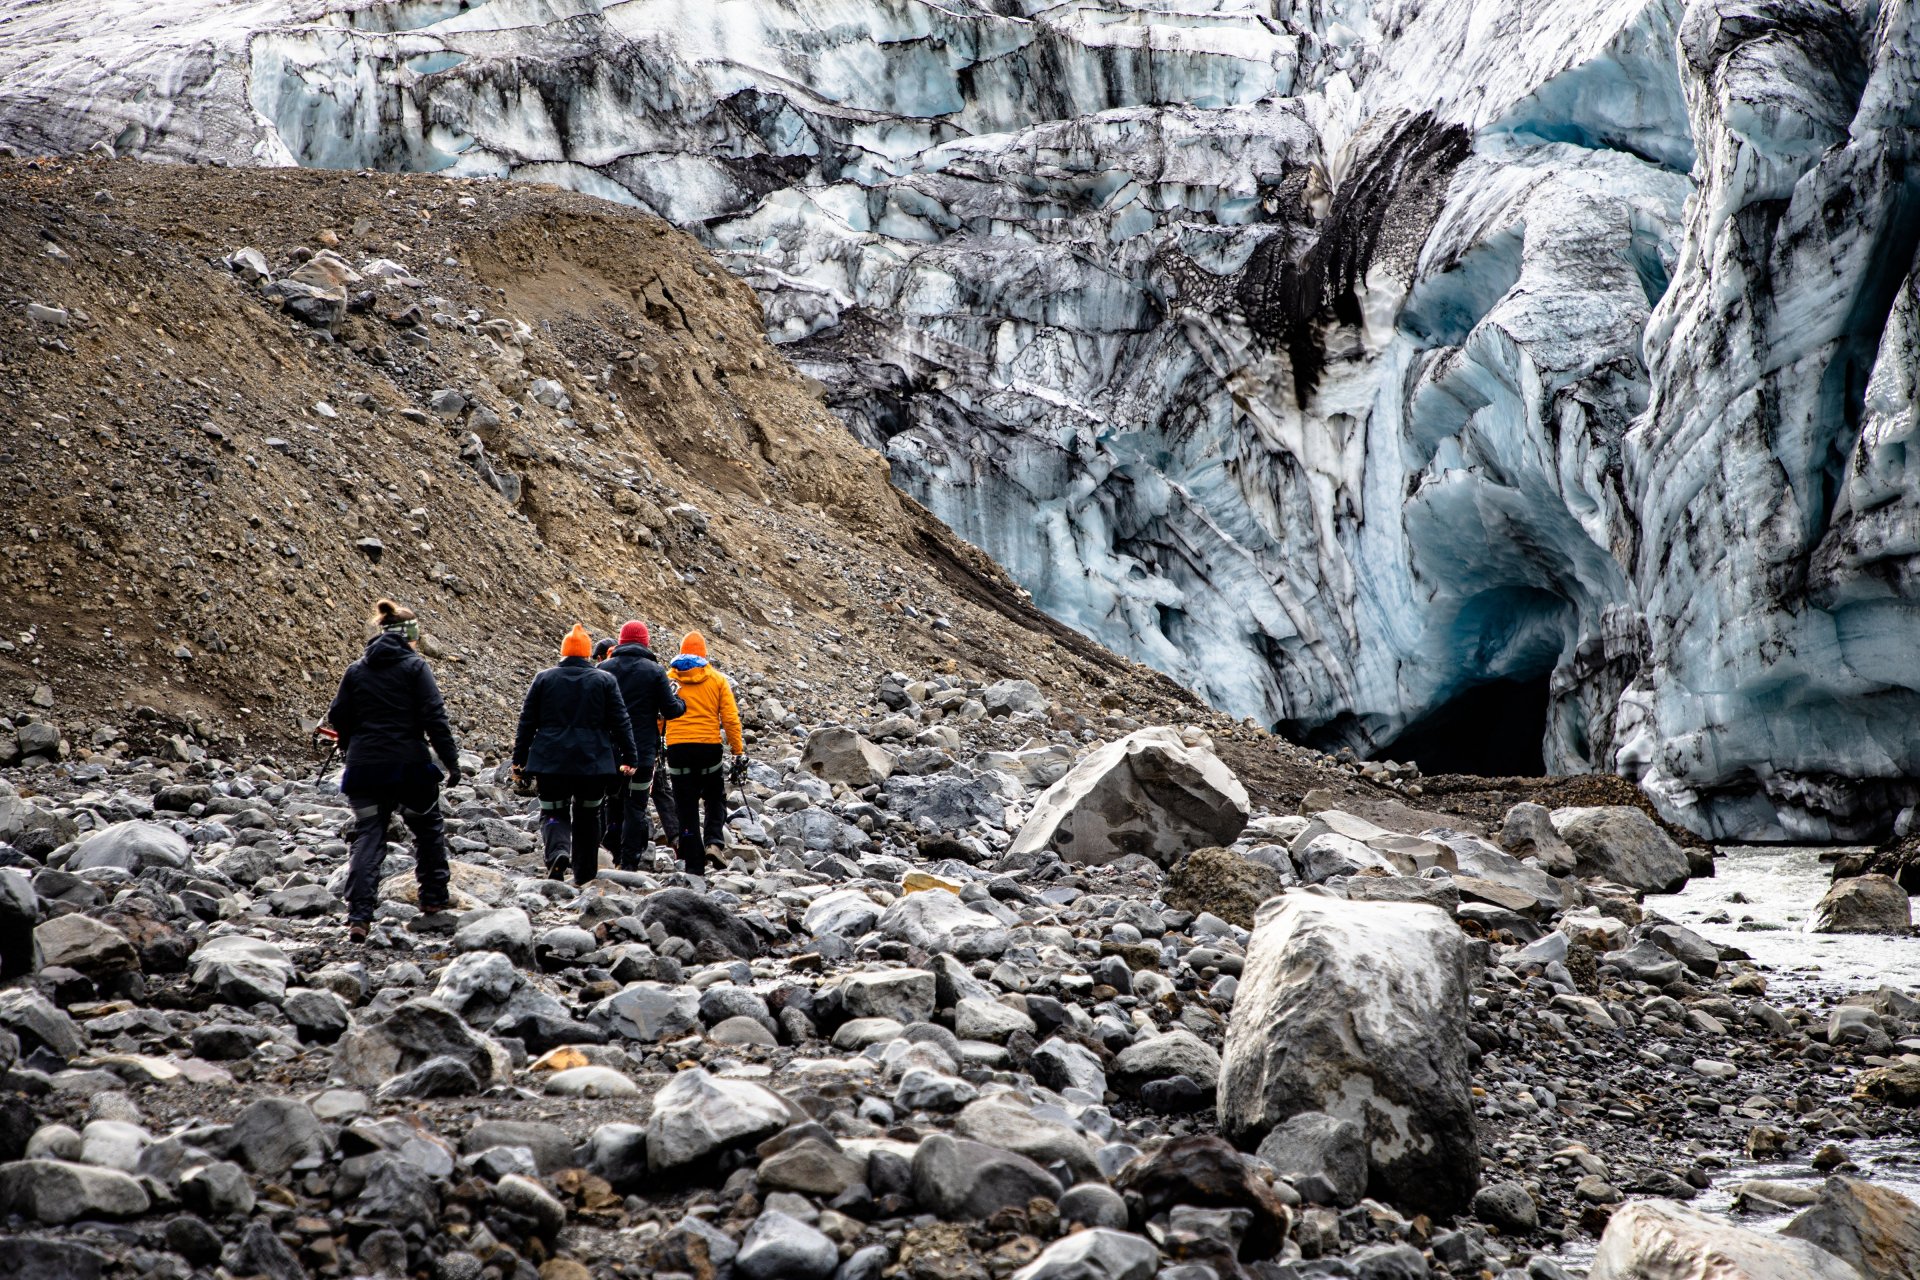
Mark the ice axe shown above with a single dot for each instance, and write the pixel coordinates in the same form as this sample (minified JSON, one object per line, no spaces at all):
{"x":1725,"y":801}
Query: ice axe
{"x":740,"y":782}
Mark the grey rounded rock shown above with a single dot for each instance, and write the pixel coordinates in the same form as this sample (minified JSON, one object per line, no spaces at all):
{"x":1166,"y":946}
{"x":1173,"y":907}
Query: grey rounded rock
{"x":131,"y":847}
{"x":1508,"y":1206}
{"x":742,"y":1031}
{"x":963,"y":1180}
{"x":1094,"y":1204}
{"x":779,"y":1247}
{"x":528,"y":1198}
{"x":55,"y":1191}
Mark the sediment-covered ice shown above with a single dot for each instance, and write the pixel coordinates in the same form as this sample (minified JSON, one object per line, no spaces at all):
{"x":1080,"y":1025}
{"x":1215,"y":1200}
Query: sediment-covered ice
{"x":1344,"y":359}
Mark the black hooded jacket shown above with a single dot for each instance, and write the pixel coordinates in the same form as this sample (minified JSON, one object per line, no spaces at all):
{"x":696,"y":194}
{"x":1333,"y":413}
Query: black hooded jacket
{"x":574,"y":722}
{"x":387,"y":711}
{"x":649,"y":694}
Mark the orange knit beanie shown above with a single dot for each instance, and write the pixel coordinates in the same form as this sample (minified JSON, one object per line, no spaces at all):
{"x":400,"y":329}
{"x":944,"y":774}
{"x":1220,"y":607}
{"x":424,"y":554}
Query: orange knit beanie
{"x":578,"y":643}
{"x":695,"y":644}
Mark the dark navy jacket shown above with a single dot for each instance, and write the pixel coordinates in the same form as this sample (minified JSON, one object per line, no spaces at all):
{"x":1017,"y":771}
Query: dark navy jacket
{"x":387,"y":711}
{"x":574,"y":721}
{"x":649,"y":694}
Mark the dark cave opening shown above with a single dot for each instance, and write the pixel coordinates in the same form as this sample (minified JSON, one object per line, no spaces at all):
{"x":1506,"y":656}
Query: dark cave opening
{"x":1492,"y":730}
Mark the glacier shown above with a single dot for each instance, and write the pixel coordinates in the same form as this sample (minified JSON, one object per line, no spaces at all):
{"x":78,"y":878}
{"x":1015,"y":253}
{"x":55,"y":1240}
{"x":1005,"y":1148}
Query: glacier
{"x":1412,"y":376}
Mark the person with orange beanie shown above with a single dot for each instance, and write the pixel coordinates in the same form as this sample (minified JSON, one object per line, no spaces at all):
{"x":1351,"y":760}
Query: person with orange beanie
{"x":574,"y":736}
{"x":696,"y":742}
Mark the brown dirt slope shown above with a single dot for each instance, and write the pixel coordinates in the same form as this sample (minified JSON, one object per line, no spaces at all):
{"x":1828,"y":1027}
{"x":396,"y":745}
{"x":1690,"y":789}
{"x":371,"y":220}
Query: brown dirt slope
{"x":189,"y":471}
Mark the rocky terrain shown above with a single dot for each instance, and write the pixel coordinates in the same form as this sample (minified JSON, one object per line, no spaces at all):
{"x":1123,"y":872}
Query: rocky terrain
{"x":975,"y":997}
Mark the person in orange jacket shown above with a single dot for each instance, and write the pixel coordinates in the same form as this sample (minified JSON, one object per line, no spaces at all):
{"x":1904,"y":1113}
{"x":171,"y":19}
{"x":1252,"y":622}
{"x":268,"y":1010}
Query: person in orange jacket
{"x":696,"y":742}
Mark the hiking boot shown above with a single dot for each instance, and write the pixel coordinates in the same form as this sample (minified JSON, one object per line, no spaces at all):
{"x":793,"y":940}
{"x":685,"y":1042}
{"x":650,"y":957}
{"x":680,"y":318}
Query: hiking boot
{"x":357,"y":931}
{"x":436,"y":908}
{"x":559,"y":868}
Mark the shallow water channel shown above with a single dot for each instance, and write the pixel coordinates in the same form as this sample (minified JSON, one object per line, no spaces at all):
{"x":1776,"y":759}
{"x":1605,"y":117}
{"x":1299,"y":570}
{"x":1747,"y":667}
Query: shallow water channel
{"x":1761,"y":899}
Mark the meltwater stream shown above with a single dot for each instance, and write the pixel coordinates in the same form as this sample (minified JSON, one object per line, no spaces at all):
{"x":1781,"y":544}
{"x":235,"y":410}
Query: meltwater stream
{"x":1761,"y":899}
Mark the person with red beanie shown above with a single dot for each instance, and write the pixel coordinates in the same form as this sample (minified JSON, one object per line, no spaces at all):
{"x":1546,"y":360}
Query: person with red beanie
{"x":695,"y":751}
{"x":651,"y":702}
{"x":573,"y":737}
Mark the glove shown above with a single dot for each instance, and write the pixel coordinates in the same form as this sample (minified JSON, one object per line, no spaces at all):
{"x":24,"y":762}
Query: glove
{"x":739,"y":771}
{"x":453,"y":775}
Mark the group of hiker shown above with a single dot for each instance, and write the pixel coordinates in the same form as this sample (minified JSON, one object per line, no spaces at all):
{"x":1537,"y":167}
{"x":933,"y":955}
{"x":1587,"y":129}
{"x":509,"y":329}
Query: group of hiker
{"x":589,"y":743}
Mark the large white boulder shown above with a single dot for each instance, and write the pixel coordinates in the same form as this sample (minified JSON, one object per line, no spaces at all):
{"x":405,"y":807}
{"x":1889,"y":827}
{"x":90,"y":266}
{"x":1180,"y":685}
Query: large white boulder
{"x":1660,"y":1240}
{"x":1149,"y":793}
{"x":130,"y":847}
{"x":1359,"y":1010}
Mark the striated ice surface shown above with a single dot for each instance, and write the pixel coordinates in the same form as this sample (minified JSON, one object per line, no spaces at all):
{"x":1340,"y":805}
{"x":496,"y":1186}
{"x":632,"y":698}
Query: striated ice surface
{"x":1346,"y":359}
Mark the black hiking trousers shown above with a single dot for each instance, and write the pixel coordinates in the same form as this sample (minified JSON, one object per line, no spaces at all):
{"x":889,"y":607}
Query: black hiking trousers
{"x":570,"y":811}
{"x":628,"y":796}
{"x":373,"y":808}
{"x":629,"y":828}
{"x":698,"y":782}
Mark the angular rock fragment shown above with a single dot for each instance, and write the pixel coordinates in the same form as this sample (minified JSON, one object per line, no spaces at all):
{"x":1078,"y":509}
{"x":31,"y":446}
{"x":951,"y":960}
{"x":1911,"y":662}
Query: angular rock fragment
{"x":86,"y":946}
{"x":964,"y":1180}
{"x":1862,"y":904}
{"x":698,"y":1115}
{"x":838,"y":754}
{"x":375,"y":1050}
{"x":1622,"y":844}
{"x":242,"y":970}
{"x":1098,"y":1254}
{"x":1224,"y":882}
{"x":1149,"y":793}
{"x":1874,"y":1228}
{"x":700,"y":921}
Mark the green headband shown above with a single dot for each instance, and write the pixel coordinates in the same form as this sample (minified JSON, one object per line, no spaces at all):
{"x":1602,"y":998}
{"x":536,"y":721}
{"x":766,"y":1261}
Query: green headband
{"x":410,"y":629}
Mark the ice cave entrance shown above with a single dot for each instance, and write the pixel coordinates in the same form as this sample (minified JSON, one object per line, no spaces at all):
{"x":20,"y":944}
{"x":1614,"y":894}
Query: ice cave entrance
{"x":1496,"y":655}
{"x":1492,"y":730}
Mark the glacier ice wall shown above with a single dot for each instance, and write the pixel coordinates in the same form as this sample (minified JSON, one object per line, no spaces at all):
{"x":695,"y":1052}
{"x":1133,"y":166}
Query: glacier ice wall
{"x":1777,"y":506}
{"x":1340,"y":357}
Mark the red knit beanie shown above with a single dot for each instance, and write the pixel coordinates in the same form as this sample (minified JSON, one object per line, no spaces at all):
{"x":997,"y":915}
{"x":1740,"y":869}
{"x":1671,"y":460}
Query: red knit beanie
{"x":635,"y":633}
{"x":578,"y":643}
